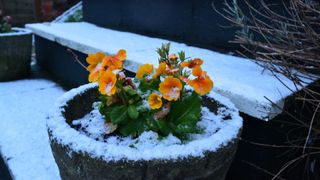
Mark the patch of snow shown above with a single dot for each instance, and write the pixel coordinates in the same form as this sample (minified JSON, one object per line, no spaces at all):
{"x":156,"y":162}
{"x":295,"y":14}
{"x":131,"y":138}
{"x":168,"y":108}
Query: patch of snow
{"x":24,"y":142}
{"x":174,"y":93}
{"x":109,"y":87}
{"x":239,"y":79}
{"x":93,"y":126}
{"x":17,"y":32}
{"x":217,"y":133}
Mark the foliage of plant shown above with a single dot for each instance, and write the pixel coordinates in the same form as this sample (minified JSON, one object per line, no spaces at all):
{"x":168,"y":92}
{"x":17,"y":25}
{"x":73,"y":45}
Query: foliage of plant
{"x":5,"y":23}
{"x":77,"y":16}
{"x":287,"y":43}
{"x":156,"y":99}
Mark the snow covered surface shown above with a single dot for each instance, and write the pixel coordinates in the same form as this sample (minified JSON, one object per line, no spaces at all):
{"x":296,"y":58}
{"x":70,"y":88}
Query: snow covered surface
{"x":16,"y":32}
{"x":217,"y":133}
{"x":24,"y":142}
{"x":239,"y":79}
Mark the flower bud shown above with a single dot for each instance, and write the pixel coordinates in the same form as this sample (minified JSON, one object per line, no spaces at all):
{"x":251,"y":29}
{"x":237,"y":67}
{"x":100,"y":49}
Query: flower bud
{"x":173,"y":57}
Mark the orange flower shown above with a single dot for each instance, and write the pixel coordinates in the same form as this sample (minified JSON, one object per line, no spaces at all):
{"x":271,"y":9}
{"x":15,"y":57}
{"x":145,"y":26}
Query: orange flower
{"x":121,"y":55}
{"x":202,"y":84}
{"x":95,"y":65}
{"x":197,"y":71}
{"x":170,"y":88}
{"x":192,"y":63}
{"x":162,"y":67}
{"x":154,"y":101}
{"x":143,"y":70}
{"x":115,"y":62}
{"x":173,"y":57}
{"x":112,"y":63}
{"x":107,"y":83}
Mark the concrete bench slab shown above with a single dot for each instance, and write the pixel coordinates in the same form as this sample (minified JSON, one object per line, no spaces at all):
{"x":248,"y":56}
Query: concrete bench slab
{"x":254,"y":91}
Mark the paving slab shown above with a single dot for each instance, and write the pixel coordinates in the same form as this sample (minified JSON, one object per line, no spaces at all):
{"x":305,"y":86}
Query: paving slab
{"x":24,"y":143}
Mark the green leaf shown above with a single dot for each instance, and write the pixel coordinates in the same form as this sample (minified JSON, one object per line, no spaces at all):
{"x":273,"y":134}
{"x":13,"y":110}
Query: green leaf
{"x":133,"y":127}
{"x":130,"y":91}
{"x":164,"y":127}
{"x":188,"y":125}
{"x":133,"y":112}
{"x":182,"y":56}
{"x":119,"y":114}
{"x":146,"y":85}
{"x":151,"y":122}
{"x":181,"y":110}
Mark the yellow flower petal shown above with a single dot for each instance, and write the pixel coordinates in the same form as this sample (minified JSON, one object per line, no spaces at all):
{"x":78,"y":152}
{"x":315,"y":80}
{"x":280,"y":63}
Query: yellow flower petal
{"x":121,"y":55}
{"x":170,"y":88}
{"x":162,"y":67}
{"x":154,"y":101}
{"x":111,"y":63}
{"x":96,"y":58}
{"x":107,"y":83}
{"x":144,"y":70}
{"x":95,"y":65}
{"x":202,"y":84}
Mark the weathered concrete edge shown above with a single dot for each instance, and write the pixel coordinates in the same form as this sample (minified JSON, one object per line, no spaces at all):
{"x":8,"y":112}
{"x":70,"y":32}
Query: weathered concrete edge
{"x":251,"y":107}
{"x":264,"y":112}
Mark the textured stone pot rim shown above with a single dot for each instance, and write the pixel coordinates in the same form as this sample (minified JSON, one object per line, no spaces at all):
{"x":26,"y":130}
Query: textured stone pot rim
{"x":17,"y":32}
{"x":62,"y":133}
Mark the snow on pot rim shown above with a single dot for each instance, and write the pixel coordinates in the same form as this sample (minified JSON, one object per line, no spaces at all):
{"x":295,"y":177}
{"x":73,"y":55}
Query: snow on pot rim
{"x":64,"y":134}
{"x":16,"y":32}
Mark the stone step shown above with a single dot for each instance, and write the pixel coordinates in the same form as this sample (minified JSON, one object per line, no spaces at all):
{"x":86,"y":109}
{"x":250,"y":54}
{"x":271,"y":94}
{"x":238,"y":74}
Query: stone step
{"x":254,"y":91}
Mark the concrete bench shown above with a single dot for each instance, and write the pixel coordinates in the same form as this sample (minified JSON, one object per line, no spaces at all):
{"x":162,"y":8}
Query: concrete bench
{"x":254,"y":91}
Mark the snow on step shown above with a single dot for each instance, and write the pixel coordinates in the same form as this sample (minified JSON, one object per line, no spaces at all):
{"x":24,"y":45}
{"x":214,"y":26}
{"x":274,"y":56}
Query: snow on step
{"x":24,"y":143}
{"x":239,"y":79}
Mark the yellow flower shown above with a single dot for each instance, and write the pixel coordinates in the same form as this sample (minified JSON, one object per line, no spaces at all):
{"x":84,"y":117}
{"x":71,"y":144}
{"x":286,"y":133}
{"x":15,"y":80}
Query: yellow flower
{"x":202,"y":84}
{"x":107,"y":83}
{"x":95,"y":65}
{"x":191,"y":64}
{"x":154,"y":101}
{"x":115,"y":62}
{"x":162,"y":67}
{"x":143,"y":70}
{"x":170,"y":88}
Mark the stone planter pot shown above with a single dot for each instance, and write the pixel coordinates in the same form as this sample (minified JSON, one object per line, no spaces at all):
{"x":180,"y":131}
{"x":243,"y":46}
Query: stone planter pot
{"x":80,"y":157}
{"x":15,"y":54}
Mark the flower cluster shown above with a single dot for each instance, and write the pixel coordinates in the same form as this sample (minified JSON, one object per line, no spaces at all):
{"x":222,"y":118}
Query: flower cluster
{"x":5,"y":23}
{"x":165,"y":99}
